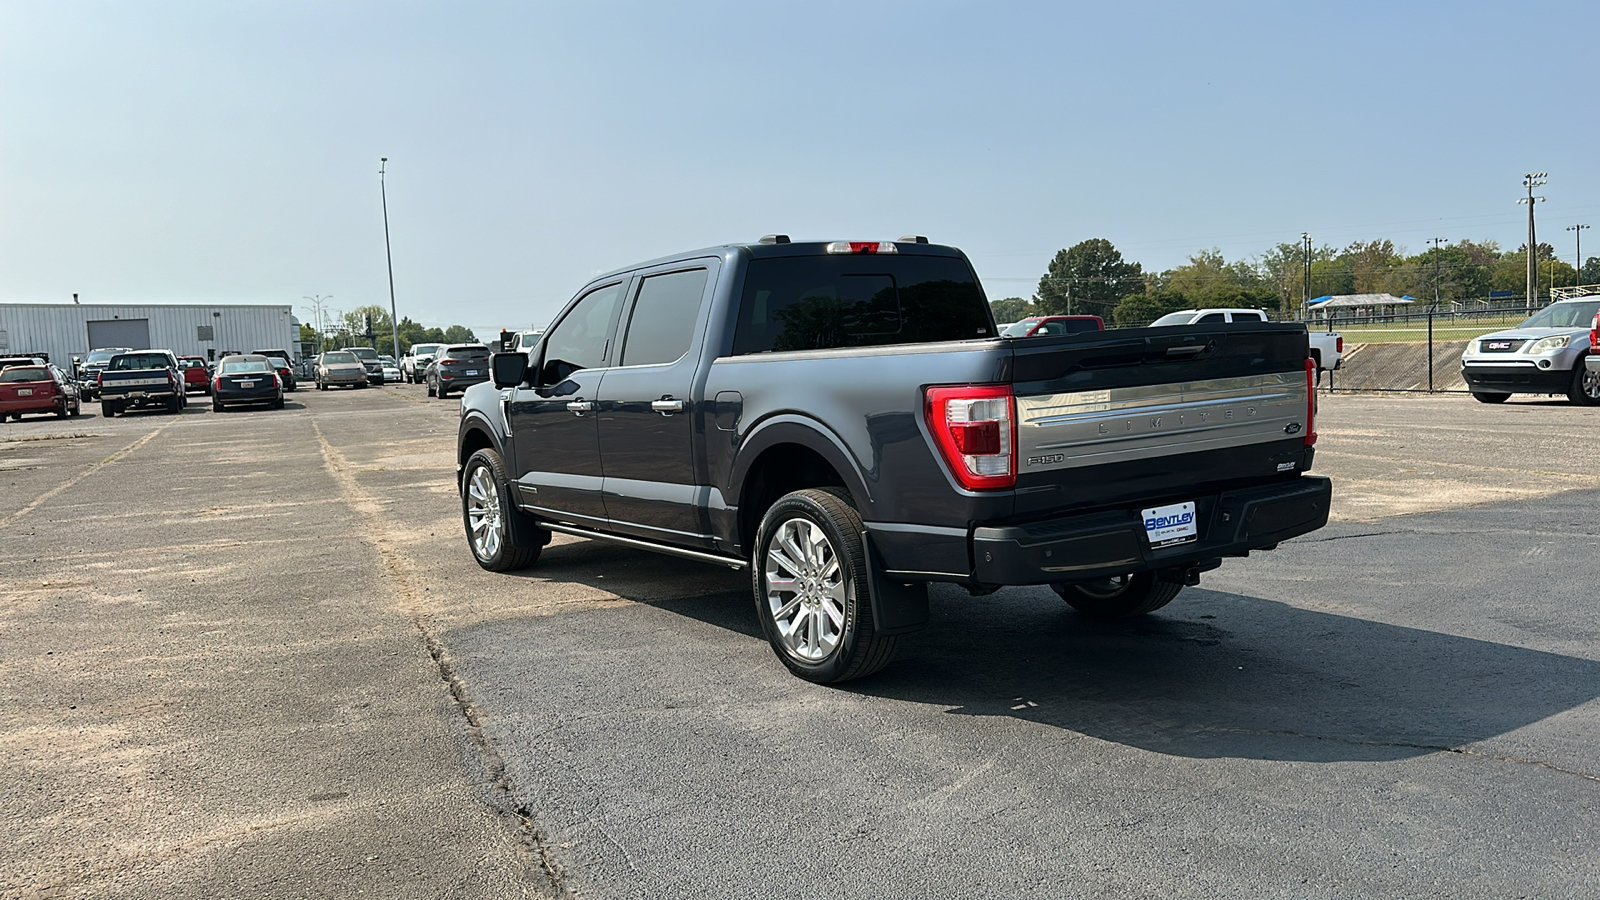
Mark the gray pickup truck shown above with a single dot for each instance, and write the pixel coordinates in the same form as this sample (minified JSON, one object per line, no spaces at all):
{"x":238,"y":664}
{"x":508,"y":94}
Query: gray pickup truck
{"x":141,"y":378}
{"x":843,"y":421}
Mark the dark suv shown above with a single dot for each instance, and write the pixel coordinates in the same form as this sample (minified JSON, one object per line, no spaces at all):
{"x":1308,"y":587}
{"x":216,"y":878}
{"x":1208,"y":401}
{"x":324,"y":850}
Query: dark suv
{"x":458,"y":367}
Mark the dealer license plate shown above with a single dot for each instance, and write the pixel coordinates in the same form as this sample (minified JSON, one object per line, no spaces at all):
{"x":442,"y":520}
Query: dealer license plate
{"x":1168,"y":525}
{"x":24,"y":392}
{"x":472,"y":371}
{"x":247,"y":384}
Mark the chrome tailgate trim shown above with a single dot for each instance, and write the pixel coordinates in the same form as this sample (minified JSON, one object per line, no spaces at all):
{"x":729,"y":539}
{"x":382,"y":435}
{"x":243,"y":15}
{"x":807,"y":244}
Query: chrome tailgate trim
{"x":1096,"y":427}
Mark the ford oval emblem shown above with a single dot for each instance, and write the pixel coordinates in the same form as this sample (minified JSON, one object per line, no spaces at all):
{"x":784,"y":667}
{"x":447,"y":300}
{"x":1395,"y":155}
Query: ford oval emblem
{"x":1292,"y":428}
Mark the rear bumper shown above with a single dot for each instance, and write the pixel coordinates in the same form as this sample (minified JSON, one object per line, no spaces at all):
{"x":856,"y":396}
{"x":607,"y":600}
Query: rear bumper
{"x":1529,"y":379}
{"x":32,"y":404}
{"x":139,"y":397}
{"x":1592,"y":362}
{"x":1101,"y":544}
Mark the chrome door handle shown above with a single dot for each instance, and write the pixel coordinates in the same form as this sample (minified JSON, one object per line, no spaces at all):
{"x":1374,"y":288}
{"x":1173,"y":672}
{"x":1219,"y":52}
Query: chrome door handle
{"x":666,"y":406}
{"x":581,"y":406}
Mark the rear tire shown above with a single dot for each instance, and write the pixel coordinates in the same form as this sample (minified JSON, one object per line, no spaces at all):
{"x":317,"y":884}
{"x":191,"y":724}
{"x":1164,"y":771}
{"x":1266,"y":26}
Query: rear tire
{"x":108,"y":409}
{"x":1585,"y":388}
{"x":812,"y":593}
{"x":278,"y":403}
{"x":502,"y":538}
{"x":1118,"y":597}
{"x":216,"y":406}
{"x":1490,"y":398}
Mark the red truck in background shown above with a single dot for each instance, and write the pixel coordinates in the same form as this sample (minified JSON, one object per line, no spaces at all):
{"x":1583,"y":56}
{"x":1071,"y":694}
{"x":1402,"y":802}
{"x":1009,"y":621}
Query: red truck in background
{"x":1038,"y":326}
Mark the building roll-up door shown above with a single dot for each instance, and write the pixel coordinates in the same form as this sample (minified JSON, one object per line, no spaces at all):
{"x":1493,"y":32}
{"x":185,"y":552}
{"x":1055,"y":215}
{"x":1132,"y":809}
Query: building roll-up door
{"x":131,"y":333}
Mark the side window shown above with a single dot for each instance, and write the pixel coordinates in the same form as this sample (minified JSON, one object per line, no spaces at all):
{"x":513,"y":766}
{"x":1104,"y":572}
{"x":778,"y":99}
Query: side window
{"x":663,"y":320}
{"x":1211,"y":317}
{"x":579,"y":340}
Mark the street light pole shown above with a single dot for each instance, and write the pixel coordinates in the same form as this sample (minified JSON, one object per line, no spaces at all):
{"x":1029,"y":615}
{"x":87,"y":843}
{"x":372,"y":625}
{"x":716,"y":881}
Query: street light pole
{"x":394,"y":320}
{"x":318,"y":302}
{"x":1530,"y":181}
{"x":1577,"y":235}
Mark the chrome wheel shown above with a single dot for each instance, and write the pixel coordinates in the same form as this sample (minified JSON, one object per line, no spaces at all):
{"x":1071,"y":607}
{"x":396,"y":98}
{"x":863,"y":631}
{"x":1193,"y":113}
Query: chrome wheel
{"x":805,"y":591}
{"x":483,"y":513}
{"x":1591,"y":385}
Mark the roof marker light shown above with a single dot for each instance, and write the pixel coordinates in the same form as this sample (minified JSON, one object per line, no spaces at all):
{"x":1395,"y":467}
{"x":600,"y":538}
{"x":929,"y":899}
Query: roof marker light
{"x":848,"y":247}
{"x":774,"y":239}
{"x":913,"y":239}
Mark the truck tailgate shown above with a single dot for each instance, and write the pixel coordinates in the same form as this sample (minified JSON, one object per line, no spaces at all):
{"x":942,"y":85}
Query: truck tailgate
{"x":1158,"y":414}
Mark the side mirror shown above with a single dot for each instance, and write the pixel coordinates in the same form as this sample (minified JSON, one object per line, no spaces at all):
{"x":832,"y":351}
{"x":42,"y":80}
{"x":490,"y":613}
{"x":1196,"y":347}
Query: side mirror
{"x":508,"y":369}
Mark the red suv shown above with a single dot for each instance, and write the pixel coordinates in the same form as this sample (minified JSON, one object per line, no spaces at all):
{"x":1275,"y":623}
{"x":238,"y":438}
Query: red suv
{"x":1037,"y":326}
{"x":43,"y":389}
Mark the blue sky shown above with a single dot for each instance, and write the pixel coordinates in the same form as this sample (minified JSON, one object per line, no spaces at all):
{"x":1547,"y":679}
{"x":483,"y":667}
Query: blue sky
{"x":228,"y":152}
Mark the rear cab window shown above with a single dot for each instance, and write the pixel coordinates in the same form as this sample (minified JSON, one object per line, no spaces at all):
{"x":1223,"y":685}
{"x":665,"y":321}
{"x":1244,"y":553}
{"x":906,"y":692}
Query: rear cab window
{"x":829,"y":302}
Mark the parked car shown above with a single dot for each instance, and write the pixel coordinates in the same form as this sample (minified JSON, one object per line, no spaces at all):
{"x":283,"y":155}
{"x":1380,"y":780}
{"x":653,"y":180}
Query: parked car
{"x":391,"y":370}
{"x":142,"y":378}
{"x":842,"y":421}
{"x":340,"y":367}
{"x":280,"y":361}
{"x":1034,"y":326}
{"x":196,"y":374}
{"x":93,"y":364}
{"x":1545,"y":354}
{"x":1327,"y":347}
{"x":414,"y":364}
{"x":37,"y":389}
{"x":458,"y":367}
{"x":28,"y":360}
{"x":1592,"y":361}
{"x":244,"y":379}
{"x":369,"y":359}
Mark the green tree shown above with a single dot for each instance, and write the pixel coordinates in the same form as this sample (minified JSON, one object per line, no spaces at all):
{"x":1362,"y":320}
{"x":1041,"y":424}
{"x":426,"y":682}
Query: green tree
{"x":358,"y":321}
{"x":1088,"y":277}
{"x":1591,"y":270}
{"x":459,"y":334}
{"x":1011,"y":309}
{"x":1142,"y":309}
{"x":1373,"y":266}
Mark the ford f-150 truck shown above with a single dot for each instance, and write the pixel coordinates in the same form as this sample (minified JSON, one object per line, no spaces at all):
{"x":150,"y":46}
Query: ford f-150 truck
{"x":141,"y":378}
{"x":843,"y":421}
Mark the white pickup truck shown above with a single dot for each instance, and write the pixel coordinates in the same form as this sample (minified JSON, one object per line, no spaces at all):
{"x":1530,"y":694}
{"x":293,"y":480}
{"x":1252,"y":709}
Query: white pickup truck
{"x":1327,"y":347}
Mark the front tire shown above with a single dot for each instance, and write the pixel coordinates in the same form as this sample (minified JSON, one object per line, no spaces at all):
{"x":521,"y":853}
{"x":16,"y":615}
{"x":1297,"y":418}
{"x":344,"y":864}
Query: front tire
{"x":1118,"y":597}
{"x":502,"y":537}
{"x":812,"y":593}
{"x":1585,"y":388}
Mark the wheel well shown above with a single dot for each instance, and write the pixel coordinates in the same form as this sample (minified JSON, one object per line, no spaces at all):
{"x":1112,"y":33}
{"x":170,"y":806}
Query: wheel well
{"x":777,"y":471}
{"x":474,"y":440}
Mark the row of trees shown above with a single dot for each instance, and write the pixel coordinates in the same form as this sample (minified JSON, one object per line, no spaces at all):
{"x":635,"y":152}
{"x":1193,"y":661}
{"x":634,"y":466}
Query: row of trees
{"x":1093,"y":278}
{"x":368,"y":326}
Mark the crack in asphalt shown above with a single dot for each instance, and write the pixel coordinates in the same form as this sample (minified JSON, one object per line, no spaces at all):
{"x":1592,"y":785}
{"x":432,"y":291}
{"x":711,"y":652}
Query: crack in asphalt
{"x":529,"y":836}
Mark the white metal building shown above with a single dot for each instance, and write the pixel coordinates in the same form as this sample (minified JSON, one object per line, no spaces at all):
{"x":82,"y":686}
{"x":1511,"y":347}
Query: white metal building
{"x":67,"y":329}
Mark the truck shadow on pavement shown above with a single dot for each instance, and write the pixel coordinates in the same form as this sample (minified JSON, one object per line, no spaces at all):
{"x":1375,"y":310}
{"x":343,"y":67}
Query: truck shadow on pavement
{"x":1213,"y":675}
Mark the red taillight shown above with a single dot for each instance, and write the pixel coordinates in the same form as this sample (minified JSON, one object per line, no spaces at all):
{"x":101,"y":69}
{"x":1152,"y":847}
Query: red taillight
{"x":1338,"y":344}
{"x":99,"y":379}
{"x":1311,"y":401}
{"x":217,"y":385}
{"x":975,"y":429}
{"x":863,"y":247}
{"x":1594,"y":334}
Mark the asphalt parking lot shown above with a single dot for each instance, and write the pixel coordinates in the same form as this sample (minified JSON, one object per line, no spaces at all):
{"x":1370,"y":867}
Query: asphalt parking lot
{"x":249,"y":655}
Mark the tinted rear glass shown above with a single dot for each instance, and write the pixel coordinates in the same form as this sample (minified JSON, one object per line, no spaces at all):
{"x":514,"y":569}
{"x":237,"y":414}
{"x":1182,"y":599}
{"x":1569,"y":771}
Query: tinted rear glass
{"x":138,"y":361}
{"x":823,"y":302}
{"x":339,"y":358}
{"x":467,"y":353}
{"x":19,"y":373}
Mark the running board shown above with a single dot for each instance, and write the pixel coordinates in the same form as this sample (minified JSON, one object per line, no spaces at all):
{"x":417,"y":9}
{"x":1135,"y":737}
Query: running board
{"x":699,"y":556}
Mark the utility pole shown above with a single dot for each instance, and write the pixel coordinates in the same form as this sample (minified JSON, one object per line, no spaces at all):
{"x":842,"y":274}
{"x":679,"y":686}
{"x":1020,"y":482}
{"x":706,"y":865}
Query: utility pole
{"x":1530,"y":181}
{"x":394,"y":319}
{"x":1436,"y":242}
{"x":1305,"y":280}
{"x":1577,"y":235}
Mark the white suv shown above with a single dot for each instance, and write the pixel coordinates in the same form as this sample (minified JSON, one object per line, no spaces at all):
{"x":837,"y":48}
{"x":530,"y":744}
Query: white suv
{"x":1544,"y":355}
